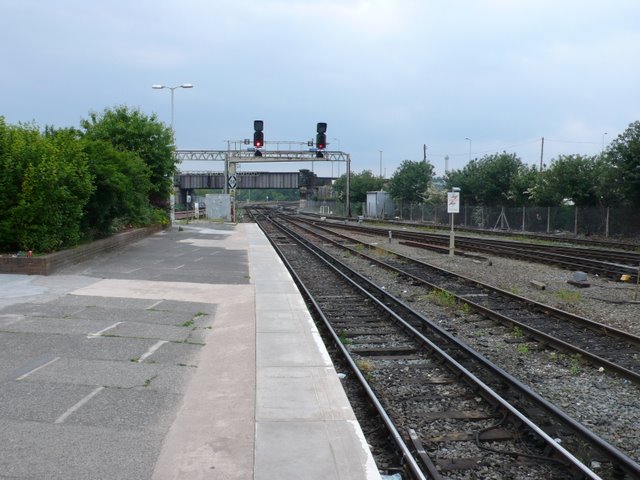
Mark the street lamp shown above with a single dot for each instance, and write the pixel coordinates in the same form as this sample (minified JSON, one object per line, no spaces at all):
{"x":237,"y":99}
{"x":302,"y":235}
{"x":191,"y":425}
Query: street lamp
{"x":380,"y":163}
{"x":467,"y":138}
{"x":602,"y":151}
{"x":160,"y":87}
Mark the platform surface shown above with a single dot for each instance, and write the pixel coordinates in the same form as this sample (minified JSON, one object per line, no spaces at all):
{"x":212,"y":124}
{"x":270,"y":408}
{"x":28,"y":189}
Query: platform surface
{"x":188,"y":355}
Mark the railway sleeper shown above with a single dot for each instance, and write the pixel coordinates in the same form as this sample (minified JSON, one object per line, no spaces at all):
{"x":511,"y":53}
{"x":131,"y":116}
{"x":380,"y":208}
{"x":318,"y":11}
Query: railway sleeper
{"x":349,"y":325}
{"x":368,"y":331}
{"x":359,"y":340}
{"x":458,"y":415}
{"x":392,"y":352}
{"x":494,"y":435}
{"x":428,"y":381}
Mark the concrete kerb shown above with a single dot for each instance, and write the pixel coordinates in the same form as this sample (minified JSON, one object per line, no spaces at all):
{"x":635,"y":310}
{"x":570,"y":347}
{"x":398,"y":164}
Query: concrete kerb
{"x":47,"y":264}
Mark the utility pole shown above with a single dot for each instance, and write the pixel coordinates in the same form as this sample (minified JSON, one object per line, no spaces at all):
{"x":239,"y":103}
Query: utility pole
{"x":541,"y":153}
{"x":424,"y":152}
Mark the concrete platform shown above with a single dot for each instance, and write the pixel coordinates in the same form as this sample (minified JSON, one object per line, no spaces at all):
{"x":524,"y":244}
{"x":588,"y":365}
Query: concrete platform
{"x":103,"y":351}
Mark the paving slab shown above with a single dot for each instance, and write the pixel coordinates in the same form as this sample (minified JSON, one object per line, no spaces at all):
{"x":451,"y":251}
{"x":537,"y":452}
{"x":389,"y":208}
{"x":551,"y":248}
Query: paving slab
{"x":187,"y":355}
{"x":97,"y":372}
{"x":36,"y":450}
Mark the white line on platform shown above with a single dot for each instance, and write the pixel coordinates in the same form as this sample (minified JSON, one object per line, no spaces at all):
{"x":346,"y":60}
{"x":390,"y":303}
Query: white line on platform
{"x":66,"y":414}
{"x":149,"y":352}
{"x":22,"y":377}
{"x":155,"y":305}
{"x":97,"y":334}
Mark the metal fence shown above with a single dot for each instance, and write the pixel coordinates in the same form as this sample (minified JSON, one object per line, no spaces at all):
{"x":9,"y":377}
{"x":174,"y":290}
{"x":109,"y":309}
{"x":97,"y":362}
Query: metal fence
{"x":568,"y":219}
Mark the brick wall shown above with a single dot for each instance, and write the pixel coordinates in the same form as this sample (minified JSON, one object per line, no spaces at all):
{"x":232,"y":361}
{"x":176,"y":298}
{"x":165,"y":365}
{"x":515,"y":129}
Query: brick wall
{"x":46,"y":264}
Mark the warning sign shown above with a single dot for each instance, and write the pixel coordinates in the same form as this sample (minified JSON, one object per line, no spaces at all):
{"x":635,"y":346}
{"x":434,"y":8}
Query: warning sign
{"x":453,"y":202}
{"x":233,"y":182}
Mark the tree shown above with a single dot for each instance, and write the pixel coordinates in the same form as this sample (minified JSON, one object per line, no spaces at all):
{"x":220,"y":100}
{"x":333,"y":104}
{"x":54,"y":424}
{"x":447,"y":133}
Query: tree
{"x":131,"y":130}
{"x":624,"y":156}
{"x":436,"y":192}
{"x":467,"y":180}
{"x":54,"y":189}
{"x":494,"y":180}
{"x":608,"y":188}
{"x":17,"y":146}
{"x":410,"y":182}
{"x":570,"y":177}
{"x":122,"y":187}
{"x":360,"y":184}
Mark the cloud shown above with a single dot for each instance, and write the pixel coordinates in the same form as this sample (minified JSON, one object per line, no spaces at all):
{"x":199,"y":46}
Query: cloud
{"x":386,"y":75}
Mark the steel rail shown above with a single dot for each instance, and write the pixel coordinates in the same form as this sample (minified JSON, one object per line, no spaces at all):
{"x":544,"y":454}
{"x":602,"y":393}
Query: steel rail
{"x":383,"y":298}
{"x":622,"y":245}
{"x":540,"y":307}
{"x":411,"y":463}
{"x":619,"y":458}
{"x":530,"y":252}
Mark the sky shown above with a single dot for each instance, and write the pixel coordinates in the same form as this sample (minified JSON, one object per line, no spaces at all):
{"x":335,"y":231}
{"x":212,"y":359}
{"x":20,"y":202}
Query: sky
{"x":466,"y":78}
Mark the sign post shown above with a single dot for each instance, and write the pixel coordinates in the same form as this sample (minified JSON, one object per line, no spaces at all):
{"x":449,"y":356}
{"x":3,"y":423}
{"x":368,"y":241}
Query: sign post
{"x":453,"y":207}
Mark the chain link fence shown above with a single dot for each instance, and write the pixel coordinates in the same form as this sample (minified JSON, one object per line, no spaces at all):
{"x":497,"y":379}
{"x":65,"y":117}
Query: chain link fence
{"x":568,"y":219}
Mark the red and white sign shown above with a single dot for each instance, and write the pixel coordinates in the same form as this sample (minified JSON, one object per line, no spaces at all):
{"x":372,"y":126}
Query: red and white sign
{"x":453,"y":202}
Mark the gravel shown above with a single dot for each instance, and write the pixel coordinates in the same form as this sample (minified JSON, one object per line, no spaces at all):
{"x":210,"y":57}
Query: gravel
{"x":603,"y":402}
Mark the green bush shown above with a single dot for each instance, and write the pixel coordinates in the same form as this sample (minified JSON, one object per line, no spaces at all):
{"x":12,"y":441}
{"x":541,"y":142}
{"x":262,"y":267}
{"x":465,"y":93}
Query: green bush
{"x":122,"y":185}
{"x":54,"y":190}
{"x":62,"y":186}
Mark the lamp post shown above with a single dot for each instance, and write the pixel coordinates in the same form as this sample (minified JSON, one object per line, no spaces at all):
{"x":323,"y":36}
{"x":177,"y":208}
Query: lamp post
{"x":380,"y":163}
{"x":467,"y":138}
{"x":160,"y":87}
{"x":602,"y":151}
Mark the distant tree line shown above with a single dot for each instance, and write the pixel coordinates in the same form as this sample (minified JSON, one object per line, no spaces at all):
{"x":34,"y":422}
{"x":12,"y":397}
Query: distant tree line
{"x":611,"y":179}
{"x":60,"y":187}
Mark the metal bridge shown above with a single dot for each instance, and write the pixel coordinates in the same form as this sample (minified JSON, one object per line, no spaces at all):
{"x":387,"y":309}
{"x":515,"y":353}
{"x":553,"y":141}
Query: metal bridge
{"x":244,"y":180}
{"x":233,"y":179}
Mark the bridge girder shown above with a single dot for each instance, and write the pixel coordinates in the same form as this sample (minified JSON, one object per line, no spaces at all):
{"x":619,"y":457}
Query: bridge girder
{"x":240,"y":156}
{"x":232,"y":157}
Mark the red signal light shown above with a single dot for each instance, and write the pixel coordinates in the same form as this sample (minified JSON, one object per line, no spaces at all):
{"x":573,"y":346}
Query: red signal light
{"x":321,"y":137}
{"x":258,"y":139}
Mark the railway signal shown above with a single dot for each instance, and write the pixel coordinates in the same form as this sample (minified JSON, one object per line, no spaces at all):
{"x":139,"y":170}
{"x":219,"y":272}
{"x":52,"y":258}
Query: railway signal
{"x":258,"y":136}
{"x":321,"y":138}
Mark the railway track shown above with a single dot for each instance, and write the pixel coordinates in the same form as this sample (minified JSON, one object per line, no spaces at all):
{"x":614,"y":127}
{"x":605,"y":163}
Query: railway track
{"x":524,"y":236}
{"x":609,"y":263}
{"x":616,"y":350}
{"x":425,"y":386}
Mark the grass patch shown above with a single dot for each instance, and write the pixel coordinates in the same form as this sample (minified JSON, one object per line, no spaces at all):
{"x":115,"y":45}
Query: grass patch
{"x":359,"y":247}
{"x":576,"y":364}
{"x":342,"y":336}
{"x":464,"y":308}
{"x":442,"y":298}
{"x":366,"y":367}
{"x":569,"y":296}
